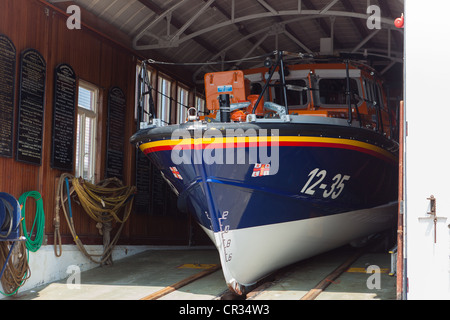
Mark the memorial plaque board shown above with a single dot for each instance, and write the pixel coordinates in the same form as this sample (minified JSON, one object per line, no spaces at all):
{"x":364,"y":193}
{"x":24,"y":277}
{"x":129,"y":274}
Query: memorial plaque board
{"x":116,"y":132}
{"x":63,"y":128}
{"x":30,"y":122}
{"x":7,"y":95}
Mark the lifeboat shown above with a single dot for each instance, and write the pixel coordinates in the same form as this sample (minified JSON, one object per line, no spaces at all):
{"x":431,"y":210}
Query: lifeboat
{"x":290,"y":161}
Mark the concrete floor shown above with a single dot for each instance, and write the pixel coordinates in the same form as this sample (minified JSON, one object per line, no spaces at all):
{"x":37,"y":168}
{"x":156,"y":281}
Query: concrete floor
{"x":135,"y":277}
{"x":351,"y":285}
{"x":138,"y":276}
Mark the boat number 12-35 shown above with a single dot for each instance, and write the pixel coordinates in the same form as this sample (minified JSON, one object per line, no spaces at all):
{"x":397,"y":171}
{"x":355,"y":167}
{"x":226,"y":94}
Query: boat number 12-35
{"x":316,"y":177}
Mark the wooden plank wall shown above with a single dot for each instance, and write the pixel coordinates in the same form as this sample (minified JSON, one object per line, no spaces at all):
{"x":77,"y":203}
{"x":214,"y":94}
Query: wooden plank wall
{"x":31,"y":24}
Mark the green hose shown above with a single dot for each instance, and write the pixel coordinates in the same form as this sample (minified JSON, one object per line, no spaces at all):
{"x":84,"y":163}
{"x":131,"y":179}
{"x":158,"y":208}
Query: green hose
{"x":39,"y":221}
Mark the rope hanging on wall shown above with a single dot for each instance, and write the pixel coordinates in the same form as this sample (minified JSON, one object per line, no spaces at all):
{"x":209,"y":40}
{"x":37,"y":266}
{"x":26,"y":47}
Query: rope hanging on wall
{"x":103,"y":202}
{"x":17,"y":270}
{"x":39,"y":221}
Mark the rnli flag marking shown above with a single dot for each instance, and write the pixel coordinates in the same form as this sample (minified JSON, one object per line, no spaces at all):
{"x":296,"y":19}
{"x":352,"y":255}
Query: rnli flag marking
{"x":176,"y":173}
{"x":261,"y":170}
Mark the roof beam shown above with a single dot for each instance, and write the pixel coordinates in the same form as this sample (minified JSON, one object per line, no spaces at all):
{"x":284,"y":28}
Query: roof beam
{"x":321,"y":22}
{"x":370,"y":36}
{"x":239,"y":26}
{"x":360,"y":26}
{"x":298,"y":42}
{"x":175,"y":22}
{"x":193,"y":18}
{"x":390,"y":65}
{"x":158,"y":11}
{"x":267,"y":6}
{"x":328,"y":6}
{"x":257,"y":33}
{"x":249,"y":52}
{"x":287,"y":30}
{"x":309,"y":13}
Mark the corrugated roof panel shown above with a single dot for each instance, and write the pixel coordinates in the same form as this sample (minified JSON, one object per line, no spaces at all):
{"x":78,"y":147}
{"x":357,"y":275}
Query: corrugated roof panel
{"x":125,"y":12}
{"x":295,"y":31}
{"x":136,"y":22}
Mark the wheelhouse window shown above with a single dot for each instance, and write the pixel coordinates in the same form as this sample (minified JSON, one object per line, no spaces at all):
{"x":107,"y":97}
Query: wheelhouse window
{"x":379,"y":96}
{"x":373,"y":93}
{"x":297,"y":94}
{"x":333,"y":91}
{"x":86,"y":131}
{"x":164,"y":99}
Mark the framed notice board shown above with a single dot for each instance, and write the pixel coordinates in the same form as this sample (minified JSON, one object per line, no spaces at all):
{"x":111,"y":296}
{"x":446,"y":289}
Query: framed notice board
{"x":7,"y":95}
{"x":115,"y":134}
{"x":63,"y":126}
{"x":30,"y":120}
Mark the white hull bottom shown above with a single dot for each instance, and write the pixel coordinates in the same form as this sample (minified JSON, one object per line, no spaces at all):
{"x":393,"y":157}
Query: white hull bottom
{"x":249,"y":254}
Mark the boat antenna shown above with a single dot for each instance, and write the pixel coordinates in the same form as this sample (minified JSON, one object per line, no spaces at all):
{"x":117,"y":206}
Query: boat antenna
{"x":279,"y":62}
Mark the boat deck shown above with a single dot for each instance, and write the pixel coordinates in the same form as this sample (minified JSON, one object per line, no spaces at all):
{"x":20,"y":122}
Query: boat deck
{"x":196,"y":275}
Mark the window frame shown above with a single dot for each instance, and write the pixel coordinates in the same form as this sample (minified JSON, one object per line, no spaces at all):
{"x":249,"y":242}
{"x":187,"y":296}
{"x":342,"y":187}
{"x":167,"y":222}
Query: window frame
{"x":82,"y":113}
{"x":182,"y":106}
{"x":136,"y":97}
{"x":164,"y":98}
{"x":301,"y":94}
{"x":329,"y":105}
{"x":200,"y":105}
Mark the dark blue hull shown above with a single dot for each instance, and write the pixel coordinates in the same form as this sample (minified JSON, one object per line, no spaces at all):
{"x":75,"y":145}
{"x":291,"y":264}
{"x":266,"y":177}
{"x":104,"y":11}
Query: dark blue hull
{"x":257,"y":201}
{"x":208,"y":189}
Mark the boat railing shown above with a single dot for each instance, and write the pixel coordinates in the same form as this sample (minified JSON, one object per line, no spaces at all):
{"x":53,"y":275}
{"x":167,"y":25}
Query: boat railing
{"x":348,"y":93}
{"x":283,"y":110}
{"x":278,"y":63}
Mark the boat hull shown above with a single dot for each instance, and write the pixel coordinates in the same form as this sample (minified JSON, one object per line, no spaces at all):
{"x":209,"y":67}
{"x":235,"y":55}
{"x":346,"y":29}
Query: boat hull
{"x":250,"y":254}
{"x":268,"y":200}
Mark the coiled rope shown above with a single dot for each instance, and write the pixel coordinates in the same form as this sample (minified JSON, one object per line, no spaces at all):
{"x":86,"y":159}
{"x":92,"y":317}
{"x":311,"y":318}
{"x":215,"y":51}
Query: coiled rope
{"x":39,"y":221}
{"x":103,"y":202}
{"x":17,"y":270}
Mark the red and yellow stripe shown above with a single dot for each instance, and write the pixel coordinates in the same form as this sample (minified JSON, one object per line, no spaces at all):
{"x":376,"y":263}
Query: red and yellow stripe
{"x":282,"y":141}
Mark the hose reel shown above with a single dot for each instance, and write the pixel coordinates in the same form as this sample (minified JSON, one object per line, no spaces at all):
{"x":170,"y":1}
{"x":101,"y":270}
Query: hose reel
{"x":10,"y":216}
{"x":14,"y":271}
